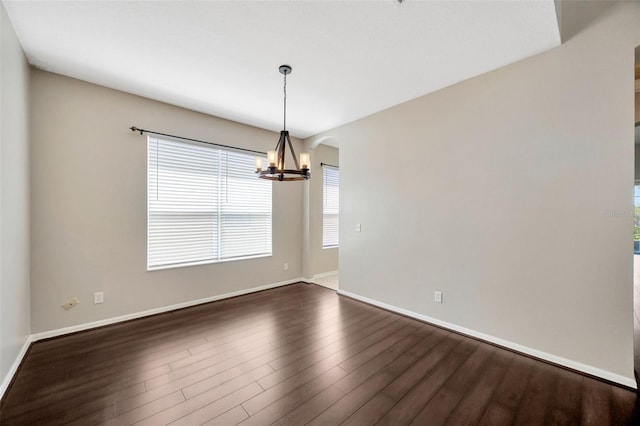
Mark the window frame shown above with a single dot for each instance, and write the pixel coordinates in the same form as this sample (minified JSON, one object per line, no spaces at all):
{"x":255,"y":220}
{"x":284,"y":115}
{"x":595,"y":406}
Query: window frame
{"x":327,"y":168}
{"x":218,"y":213}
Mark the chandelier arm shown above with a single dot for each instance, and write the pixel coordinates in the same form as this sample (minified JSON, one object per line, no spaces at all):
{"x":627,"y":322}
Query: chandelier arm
{"x":282,"y":152}
{"x":280,"y":141}
{"x":293,"y":153}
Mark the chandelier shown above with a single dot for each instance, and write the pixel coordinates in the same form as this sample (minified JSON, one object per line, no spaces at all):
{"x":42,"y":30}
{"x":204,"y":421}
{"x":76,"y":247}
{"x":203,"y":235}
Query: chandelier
{"x":276,"y":169}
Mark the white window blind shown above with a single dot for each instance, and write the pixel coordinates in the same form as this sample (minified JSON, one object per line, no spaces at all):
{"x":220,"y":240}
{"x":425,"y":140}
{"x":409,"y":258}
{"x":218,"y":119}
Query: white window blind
{"x":330,"y":205}
{"x":205,"y":204}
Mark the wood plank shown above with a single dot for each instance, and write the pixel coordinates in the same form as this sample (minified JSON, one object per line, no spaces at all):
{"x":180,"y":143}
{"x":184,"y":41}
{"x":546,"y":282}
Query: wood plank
{"x":147,"y":410}
{"x":213,"y":410}
{"x":231,"y":417}
{"x":363,"y":339}
{"x":352,"y":401}
{"x":514,"y":383}
{"x":279,"y":405}
{"x":497,"y":415}
{"x":97,"y":417}
{"x":361,"y":327}
{"x":88,"y":407}
{"x":535,"y":403}
{"x":624,"y":407}
{"x":476,"y":400}
{"x":310,"y":409}
{"x":439,"y":347}
{"x":566,"y":399}
{"x":439,"y":408}
{"x":205,"y":406}
{"x":596,"y":402}
{"x":374,"y":365}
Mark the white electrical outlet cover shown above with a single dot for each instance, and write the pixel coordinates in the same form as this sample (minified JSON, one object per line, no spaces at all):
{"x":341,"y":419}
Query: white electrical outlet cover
{"x":71,"y":303}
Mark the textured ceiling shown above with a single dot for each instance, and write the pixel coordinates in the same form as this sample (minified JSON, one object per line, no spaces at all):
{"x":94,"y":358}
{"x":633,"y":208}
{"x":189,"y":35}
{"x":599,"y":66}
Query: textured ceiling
{"x":349,"y":58}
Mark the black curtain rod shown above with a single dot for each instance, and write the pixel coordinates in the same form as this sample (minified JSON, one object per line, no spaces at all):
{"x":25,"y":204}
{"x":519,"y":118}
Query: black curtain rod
{"x":330,"y":165}
{"x":136,"y":129}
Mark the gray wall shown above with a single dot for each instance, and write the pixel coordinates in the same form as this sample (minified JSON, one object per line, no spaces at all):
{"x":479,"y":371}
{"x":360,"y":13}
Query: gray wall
{"x":496,"y":192}
{"x":89,"y":206}
{"x":14,"y":197}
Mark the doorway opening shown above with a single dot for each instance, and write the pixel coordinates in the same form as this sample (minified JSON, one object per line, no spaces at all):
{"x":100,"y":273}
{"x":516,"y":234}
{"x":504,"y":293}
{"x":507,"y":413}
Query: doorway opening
{"x":322,"y":203}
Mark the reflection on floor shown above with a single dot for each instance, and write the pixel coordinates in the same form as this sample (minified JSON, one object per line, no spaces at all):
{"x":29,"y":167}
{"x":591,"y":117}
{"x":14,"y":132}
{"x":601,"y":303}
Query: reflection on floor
{"x":329,"y":281}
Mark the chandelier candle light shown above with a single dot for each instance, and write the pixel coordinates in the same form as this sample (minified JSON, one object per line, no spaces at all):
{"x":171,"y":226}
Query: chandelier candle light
{"x":276,"y":159}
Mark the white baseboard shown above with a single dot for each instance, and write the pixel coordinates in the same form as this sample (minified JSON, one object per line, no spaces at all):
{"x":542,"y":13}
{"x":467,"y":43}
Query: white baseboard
{"x":14,"y":368}
{"x":574,"y":365}
{"x":114,"y":320}
{"x":325,"y":274}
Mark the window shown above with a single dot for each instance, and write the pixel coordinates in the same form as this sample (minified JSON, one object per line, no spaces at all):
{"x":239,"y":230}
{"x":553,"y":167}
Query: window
{"x":205,"y":205}
{"x":330,"y":205}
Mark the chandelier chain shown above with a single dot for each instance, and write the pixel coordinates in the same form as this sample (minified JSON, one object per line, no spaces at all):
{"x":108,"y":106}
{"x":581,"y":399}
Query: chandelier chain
{"x":285,"y":101}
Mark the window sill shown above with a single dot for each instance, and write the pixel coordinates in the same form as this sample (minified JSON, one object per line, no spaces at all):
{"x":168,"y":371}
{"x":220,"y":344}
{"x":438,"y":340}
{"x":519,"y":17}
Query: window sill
{"x":204,"y":262}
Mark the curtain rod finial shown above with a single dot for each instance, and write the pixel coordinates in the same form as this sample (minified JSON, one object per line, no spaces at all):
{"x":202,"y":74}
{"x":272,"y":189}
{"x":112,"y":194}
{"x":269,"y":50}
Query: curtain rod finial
{"x":134,"y":129}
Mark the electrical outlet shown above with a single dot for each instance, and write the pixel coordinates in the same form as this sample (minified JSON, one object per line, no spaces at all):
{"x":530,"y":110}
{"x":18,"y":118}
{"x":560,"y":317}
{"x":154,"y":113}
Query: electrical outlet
{"x":71,"y":303}
{"x":437,"y":296}
{"x":286,"y":266}
{"x":98,"y":297}
{"x":358,"y":227}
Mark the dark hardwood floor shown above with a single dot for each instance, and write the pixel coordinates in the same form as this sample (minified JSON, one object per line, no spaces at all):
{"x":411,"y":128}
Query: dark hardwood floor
{"x":297,"y":355}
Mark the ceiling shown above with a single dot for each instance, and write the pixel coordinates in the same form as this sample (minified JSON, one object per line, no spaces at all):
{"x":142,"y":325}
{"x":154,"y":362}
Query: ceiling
{"x":350,"y":58}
